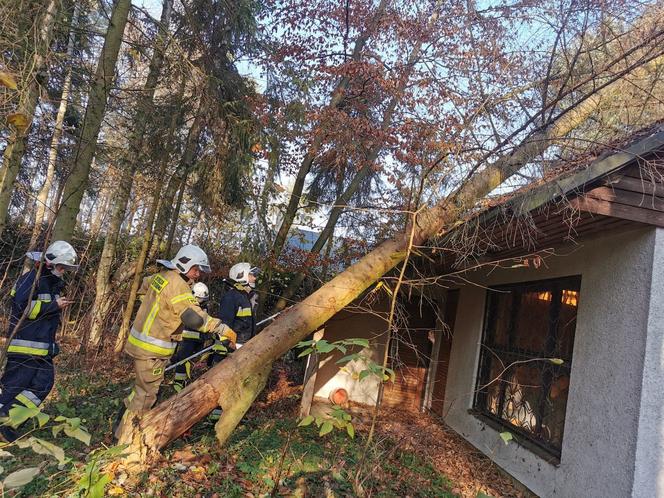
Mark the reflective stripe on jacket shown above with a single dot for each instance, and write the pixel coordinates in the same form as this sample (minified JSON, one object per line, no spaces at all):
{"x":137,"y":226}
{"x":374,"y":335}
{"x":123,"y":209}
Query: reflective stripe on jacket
{"x":192,"y":334}
{"x":237,"y":311}
{"x":159,"y":321}
{"x":36,"y":336}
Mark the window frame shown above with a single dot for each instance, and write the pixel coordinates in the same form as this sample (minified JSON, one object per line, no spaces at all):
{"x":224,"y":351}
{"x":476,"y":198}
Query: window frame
{"x":489,"y":349}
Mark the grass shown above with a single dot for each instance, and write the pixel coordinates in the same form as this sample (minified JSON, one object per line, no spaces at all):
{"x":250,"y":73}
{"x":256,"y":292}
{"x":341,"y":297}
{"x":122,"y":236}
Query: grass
{"x":267,"y":454}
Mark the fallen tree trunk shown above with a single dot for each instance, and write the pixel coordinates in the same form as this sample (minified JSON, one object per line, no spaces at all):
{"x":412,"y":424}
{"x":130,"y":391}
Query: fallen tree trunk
{"x":236,"y":401}
{"x":173,"y":417}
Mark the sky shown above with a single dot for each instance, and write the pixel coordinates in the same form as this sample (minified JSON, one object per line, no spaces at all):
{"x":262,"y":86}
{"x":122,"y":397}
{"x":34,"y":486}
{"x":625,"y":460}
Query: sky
{"x":152,"y":6}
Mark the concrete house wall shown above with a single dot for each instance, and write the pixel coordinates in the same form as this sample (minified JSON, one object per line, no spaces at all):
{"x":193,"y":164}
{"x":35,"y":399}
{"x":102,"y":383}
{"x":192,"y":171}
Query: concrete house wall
{"x":610,"y":428}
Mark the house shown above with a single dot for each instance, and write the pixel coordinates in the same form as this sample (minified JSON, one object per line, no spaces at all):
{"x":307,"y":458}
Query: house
{"x":554,"y":333}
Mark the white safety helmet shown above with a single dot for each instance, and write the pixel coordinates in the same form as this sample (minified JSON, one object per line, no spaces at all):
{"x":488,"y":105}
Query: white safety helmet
{"x":61,"y":253}
{"x":240,"y":272}
{"x":189,"y":256}
{"x":201,"y":291}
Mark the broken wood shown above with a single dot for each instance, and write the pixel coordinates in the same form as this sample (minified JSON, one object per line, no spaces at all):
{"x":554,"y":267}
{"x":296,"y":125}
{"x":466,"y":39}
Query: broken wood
{"x":310,"y":375}
{"x":235,"y":402}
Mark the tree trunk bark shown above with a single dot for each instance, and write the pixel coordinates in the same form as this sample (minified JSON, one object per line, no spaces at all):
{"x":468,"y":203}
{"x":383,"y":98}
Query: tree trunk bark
{"x":235,"y":402}
{"x":129,"y":162}
{"x":159,"y":426}
{"x":42,"y":196}
{"x":13,"y":153}
{"x":77,"y":181}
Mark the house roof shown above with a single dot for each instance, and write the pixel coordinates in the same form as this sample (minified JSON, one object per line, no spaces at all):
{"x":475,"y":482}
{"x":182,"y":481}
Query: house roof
{"x":617,"y":187}
{"x":610,"y":161}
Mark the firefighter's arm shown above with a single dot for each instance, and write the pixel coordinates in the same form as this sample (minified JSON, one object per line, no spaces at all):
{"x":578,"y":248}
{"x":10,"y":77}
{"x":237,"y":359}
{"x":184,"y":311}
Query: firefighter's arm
{"x":225,"y":333}
{"x":227,"y":308}
{"x":193,"y":317}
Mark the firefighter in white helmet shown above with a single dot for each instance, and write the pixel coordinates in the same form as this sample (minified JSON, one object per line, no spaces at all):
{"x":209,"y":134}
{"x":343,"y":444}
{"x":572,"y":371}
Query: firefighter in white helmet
{"x":238,"y":310}
{"x":192,"y":340}
{"x":30,"y":374}
{"x":238,"y":306}
{"x":167,"y":308}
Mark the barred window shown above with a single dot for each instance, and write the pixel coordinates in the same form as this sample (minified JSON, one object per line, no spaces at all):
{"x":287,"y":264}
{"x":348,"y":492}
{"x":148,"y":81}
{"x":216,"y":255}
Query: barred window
{"x":518,"y":387}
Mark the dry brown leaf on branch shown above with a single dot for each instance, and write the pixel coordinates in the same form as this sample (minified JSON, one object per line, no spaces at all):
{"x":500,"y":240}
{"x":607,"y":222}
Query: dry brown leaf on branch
{"x":19,"y":120}
{"x":8,"y":80}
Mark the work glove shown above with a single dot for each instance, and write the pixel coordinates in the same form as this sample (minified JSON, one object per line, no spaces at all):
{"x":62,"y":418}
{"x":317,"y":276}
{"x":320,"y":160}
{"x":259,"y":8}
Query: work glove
{"x":223,"y":347}
{"x":224,"y":332}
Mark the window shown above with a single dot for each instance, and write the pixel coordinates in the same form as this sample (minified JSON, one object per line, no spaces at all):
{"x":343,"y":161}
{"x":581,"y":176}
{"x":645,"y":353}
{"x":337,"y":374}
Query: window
{"x":516,"y":388}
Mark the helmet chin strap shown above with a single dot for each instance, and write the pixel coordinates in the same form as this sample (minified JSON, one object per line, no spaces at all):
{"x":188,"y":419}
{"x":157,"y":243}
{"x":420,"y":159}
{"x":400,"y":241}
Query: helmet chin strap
{"x":57,"y":273}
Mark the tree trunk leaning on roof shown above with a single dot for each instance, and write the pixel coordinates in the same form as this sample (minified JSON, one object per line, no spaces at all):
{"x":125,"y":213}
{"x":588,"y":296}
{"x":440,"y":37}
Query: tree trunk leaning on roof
{"x":163,"y":423}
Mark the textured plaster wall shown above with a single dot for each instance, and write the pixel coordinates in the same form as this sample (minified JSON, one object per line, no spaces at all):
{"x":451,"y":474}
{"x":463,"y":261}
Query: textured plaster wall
{"x":346,"y":325}
{"x":649,"y":465}
{"x":600,"y":440}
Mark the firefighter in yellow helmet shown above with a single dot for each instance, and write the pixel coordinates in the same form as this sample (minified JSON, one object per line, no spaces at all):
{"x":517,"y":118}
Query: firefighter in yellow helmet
{"x":168,"y":307}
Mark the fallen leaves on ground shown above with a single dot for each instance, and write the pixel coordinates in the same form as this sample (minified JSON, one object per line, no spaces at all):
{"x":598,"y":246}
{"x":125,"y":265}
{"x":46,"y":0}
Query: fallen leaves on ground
{"x":470,"y":470}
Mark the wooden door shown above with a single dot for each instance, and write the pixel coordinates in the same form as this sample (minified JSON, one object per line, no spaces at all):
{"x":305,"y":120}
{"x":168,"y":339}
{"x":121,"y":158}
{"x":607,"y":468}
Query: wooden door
{"x":442,"y":360}
{"x":409,"y":355}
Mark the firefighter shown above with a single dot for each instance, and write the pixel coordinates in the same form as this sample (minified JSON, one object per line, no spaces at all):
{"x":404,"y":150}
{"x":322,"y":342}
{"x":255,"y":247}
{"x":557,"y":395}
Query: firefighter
{"x":238,"y":311}
{"x":168,"y":306}
{"x":29,"y":374}
{"x":192,"y":340}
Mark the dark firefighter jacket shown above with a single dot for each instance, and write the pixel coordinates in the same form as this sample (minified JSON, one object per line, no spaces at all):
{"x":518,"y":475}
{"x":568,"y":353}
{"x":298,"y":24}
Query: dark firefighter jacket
{"x":237,"y":310}
{"x":36,"y":335}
